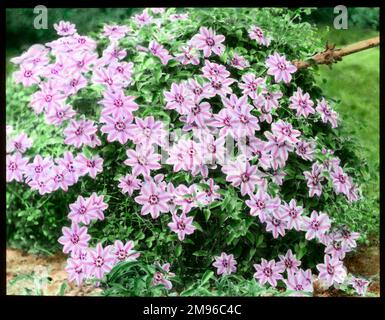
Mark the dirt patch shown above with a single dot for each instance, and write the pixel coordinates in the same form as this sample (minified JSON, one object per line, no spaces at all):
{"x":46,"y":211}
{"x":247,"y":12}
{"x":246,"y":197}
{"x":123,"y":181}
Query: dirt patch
{"x":40,"y":275}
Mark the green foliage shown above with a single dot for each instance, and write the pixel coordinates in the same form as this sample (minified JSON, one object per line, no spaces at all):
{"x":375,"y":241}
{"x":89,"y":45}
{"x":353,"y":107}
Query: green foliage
{"x":34,"y":221}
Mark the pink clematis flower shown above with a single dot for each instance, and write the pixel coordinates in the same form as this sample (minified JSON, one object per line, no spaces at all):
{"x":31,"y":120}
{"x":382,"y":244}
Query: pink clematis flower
{"x":65,"y":28}
{"x":162,"y":277}
{"x":98,"y":205}
{"x":28,"y":75}
{"x":268,"y":271}
{"x":115,"y":32}
{"x":226,"y":121}
{"x":143,"y":160}
{"x":181,"y":225}
{"x":276,"y":223}
{"x":147,"y":131}
{"x":239,"y":62}
{"x":78,"y":132}
{"x":225,"y":264}
{"x":20,"y":143}
{"x":316,"y":225}
{"x":280,"y":68}
{"x":142,"y":19}
{"x":46,"y":99}
{"x":74,"y":239}
{"x":262,"y":204}
{"x":128,"y":184}
{"x":200,"y":115}
{"x":16,"y":166}
{"x":107,"y":77}
{"x":314,"y":179}
{"x":256,"y":33}
{"x":159,"y":51}
{"x":332,"y":271}
{"x":221,"y":87}
{"x":117,"y":128}
{"x":179,"y":98}
{"x":327,"y":114}
{"x":305,"y":149}
{"x":360,"y":285}
{"x":116,"y":104}
{"x":91,"y":166}
{"x":60,"y":179}
{"x":341,"y":181}
{"x":42,"y":184}
{"x":300,"y":282}
{"x":188,"y":56}
{"x":74,"y":83}
{"x":284,"y":132}
{"x":250,"y":85}
{"x":40,"y":167}
{"x":207,"y":41}
{"x":188,"y":197}
{"x":124,"y":252}
{"x":289,"y":262}
{"x":76,"y":270}
{"x":301,"y":103}
{"x":347,"y":238}
{"x":244,"y":175}
{"x":153,"y":199}
{"x":214,"y":71}
{"x":245,"y":123}
{"x":293,"y":214}
{"x":82,"y":211}
{"x":58,"y":114}
{"x":68,"y":162}
{"x":100,"y":261}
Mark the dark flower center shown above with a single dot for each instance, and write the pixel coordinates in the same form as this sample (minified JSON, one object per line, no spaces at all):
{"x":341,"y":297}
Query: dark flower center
{"x":179,"y":98}
{"x":268,"y":272}
{"x":210,"y":41}
{"x":75,"y":238}
{"x":27,"y":73}
{"x":120,"y":126}
{"x":12,"y":166}
{"x":99,"y":261}
{"x":245,"y":177}
{"x":153,"y":199}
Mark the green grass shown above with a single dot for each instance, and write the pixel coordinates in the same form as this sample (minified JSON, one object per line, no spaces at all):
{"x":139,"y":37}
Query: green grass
{"x":354,"y":81}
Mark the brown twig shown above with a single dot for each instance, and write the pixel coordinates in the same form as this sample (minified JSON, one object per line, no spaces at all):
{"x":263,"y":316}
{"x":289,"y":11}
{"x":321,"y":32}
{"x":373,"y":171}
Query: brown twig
{"x":332,"y":55}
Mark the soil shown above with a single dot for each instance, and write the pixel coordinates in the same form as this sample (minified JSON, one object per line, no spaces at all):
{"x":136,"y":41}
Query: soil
{"x":26,"y":271}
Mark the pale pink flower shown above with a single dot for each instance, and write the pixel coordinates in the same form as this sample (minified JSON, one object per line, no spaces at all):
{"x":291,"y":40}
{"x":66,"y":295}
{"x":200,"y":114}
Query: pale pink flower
{"x":40,"y":167}
{"x":128,"y":184}
{"x":57,"y":115}
{"x":91,"y":166}
{"x":74,"y":83}
{"x":239,"y":62}
{"x":347,"y":237}
{"x":214,"y":71}
{"x":199,"y":115}
{"x":314,"y":179}
{"x":225,"y":264}
{"x":16,"y":166}
{"x":37,"y":54}
{"x":46,"y":99}
{"x":153,"y":199}
{"x":181,"y":225}
{"x":341,"y":181}
{"x":147,"y":131}
{"x":226,"y":121}
{"x":179,"y":98}
{"x":82,"y":211}
{"x":188,"y":56}
{"x":81,"y":62}
{"x":65,"y":28}
{"x":161,"y":277}
{"x":60,"y":179}
{"x":178,"y":16}
{"x":327,"y":114}
{"x":115,"y":32}
{"x":301,"y":103}
{"x":143,"y":160}
{"x":256,"y":33}
{"x":268,"y":271}
{"x":112,"y":54}
{"x":250,"y":85}
{"x":300,"y":282}
{"x":143,"y":18}
{"x":125,"y":252}
{"x":289,"y":262}
{"x":100,"y":261}
{"x":276,"y":223}
{"x":284,"y":132}
{"x":280,"y":68}
{"x":305,"y":149}
{"x":221,"y":87}
{"x":159,"y":51}
{"x":41,"y":184}
{"x":332,"y":271}
{"x":98,"y":205}
{"x":20,"y":143}
{"x":107,"y":77}
{"x":360,"y":285}
{"x":74,"y":238}
{"x":262,"y":204}
{"x":207,"y":41}
{"x":117,"y":104}
{"x":199,"y":91}
{"x":316,"y":225}
{"x":188,"y":197}
{"x":117,"y":128}
{"x":78,"y":132}
{"x":28,"y":75}
{"x":293,"y":214}
{"x":76,"y":270}
{"x":245,"y":123}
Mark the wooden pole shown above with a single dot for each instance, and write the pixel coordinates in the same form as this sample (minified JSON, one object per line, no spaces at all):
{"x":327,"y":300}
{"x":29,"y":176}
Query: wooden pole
{"x":332,"y":55}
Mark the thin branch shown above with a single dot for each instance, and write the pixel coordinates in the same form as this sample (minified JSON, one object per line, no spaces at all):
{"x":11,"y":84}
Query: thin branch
{"x":332,"y":55}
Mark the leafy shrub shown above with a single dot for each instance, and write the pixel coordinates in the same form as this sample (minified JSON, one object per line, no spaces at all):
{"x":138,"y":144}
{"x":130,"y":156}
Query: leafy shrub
{"x":221,"y":222}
